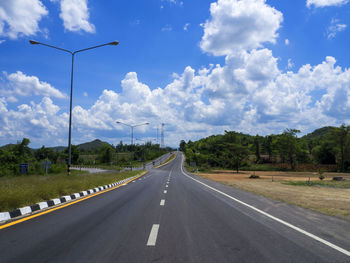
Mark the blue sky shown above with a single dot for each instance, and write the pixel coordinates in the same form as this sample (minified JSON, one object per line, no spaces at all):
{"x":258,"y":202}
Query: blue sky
{"x":199,"y":66}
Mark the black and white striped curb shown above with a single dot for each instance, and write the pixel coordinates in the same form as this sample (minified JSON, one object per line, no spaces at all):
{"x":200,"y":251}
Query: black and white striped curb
{"x":4,"y":216}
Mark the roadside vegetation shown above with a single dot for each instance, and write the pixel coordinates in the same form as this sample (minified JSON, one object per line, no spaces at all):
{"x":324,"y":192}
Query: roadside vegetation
{"x":284,"y":167}
{"x":20,"y":191}
{"x":96,"y":153}
{"x":326,"y":149}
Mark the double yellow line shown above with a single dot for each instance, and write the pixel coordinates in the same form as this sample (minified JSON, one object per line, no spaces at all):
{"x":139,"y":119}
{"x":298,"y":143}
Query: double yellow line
{"x":65,"y":205}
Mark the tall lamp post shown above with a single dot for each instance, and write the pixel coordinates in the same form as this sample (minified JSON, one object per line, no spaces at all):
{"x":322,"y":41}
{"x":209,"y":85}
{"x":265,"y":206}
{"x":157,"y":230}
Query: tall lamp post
{"x":132,"y":134}
{"x":144,"y":150}
{"x":33,"y":42}
{"x":132,"y":128}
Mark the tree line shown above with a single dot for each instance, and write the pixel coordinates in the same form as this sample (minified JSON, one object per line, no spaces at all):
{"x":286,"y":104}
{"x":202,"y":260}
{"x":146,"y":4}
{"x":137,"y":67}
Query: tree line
{"x":233,"y":150}
{"x":12,"y":155}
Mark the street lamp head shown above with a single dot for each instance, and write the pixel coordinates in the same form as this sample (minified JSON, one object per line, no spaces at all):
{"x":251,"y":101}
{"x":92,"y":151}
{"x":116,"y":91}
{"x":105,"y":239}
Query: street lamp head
{"x":146,"y":123}
{"x":114,"y":43}
{"x":33,"y":42}
{"x":117,"y":121}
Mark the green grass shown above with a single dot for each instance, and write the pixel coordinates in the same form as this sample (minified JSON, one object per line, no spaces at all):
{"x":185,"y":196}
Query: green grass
{"x":335,"y":184}
{"x":16,"y":192}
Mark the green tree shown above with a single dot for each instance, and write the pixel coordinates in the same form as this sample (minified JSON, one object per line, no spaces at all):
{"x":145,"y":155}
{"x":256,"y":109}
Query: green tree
{"x":107,"y":153}
{"x":288,"y":146}
{"x":182,"y":146}
{"x":257,"y":148}
{"x":324,"y":153}
{"x":75,"y":152}
{"x":340,"y":136}
{"x":236,"y":153}
{"x":267,"y":146}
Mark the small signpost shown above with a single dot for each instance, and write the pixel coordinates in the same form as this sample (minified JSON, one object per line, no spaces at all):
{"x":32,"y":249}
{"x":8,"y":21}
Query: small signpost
{"x":23,"y":168}
{"x":46,"y":165}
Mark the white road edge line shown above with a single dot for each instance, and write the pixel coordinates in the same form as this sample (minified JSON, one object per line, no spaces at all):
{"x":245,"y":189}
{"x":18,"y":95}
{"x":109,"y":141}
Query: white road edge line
{"x":162,"y":202}
{"x":323,"y":241}
{"x":153,"y":235}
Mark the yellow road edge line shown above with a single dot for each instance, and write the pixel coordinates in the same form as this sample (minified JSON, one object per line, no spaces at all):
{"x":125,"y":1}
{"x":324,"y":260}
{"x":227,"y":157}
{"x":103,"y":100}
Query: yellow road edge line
{"x":65,"y":205}
{"x":169,"y":161}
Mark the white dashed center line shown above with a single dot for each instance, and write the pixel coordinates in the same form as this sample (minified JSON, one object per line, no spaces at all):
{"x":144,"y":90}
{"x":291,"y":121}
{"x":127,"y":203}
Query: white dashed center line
{"x":153,"y":235}
{"x":165,"y":191}
{"x":162,"y":202}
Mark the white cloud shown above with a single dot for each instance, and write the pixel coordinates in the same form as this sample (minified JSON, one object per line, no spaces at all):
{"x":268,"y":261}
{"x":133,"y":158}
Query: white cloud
{"x":85,"y":94}
{"x":237,"y":24}
{"x":334,"y":28}
{"x":20,"y":17}
{"x":290,"y":64}
{"x":75,"y":15}
{"x":172,"y":2}
{"x":40,"y":122}
{"x":286,"y":42}
{"x":186,"y":26}
{"x":22,"y":85}
{"x":324,"y":3}
{"x":167,"y":28}
{"x":248,"y":93}
{"x":2,"y":41}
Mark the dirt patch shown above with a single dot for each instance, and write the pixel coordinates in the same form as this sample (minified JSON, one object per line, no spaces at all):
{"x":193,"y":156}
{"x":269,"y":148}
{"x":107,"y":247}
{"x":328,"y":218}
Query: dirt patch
{"x":328,"y":200}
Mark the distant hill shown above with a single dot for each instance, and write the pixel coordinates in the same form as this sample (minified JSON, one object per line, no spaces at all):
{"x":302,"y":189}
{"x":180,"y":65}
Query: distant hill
{"x":318,"y":134}
{"x":7,"y":146}
{"x":87,"y":146}
{"x":93,"y":145}
{"x":58,"y":148}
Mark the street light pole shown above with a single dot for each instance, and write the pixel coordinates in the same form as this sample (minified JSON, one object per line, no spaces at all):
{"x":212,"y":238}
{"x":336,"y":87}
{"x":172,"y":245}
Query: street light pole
{"x":33,"y":42}
{"x":132,"y":128}
{"x":132,"y":133}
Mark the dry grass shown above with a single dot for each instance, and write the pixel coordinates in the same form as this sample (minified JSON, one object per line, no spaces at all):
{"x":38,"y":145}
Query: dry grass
{"x":329,"y":200}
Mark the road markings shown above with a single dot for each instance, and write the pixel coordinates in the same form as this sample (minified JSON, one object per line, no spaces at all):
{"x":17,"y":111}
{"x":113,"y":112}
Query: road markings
{"x":166,"y":186}
{"x":153,"y":235}
{"x":165,"y":191}
{"x":162,"y":202}
{"x":323,"y":241}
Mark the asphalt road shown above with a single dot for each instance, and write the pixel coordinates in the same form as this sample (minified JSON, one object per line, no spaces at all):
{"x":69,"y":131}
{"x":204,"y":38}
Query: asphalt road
{"x":167,"y":216}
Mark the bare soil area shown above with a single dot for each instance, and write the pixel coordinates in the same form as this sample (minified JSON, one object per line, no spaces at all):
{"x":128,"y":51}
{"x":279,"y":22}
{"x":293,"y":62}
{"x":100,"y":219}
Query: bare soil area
{"x":325,"y":199}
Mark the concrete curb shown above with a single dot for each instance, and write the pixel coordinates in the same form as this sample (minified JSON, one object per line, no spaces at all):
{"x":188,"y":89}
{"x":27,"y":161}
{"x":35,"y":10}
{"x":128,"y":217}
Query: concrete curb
{"x":5,"y":216}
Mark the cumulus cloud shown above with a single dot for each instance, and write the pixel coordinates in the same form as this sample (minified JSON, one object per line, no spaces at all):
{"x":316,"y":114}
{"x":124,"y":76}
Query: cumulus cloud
{"x":75,"y":15}
{"x":334,"y":28}
{"x":239,"y":25}
{"x":324,"y":3}
{"x":41,"y":122}
{"x":248,"y":93}
{"x":286,"y":41}
{"x":19,"y":84}
{"x":20,"y":17}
